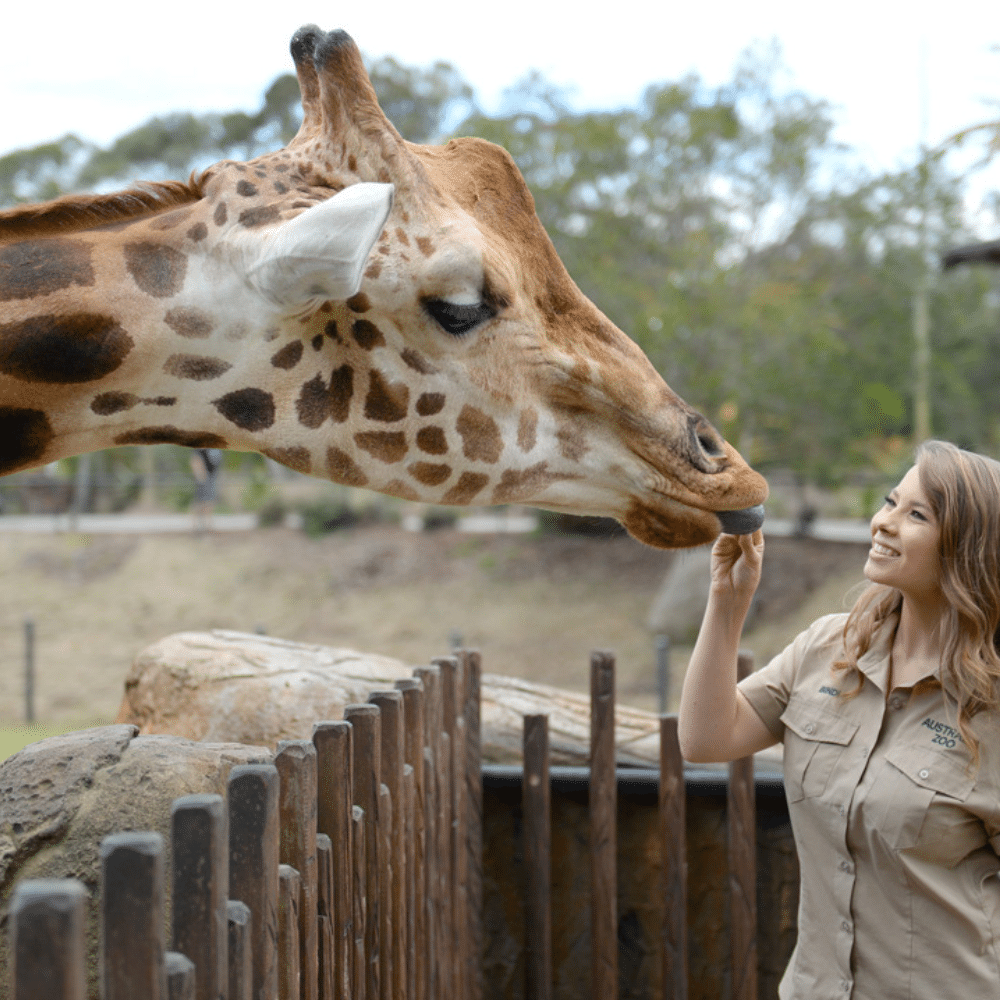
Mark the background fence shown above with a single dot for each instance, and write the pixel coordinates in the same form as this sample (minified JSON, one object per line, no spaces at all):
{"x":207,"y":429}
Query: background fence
{"x":352,"y":867}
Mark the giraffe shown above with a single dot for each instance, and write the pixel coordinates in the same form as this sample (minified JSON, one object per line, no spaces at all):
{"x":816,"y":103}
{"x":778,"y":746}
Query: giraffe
{"x":359,"y":308}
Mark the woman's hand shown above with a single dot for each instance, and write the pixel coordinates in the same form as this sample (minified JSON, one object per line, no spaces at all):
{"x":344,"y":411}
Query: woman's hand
{"x":736,"y":565}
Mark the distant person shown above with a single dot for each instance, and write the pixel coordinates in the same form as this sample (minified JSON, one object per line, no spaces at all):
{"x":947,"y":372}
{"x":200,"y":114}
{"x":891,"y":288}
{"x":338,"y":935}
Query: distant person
{"x":890,"y":719}
{"x":205,"y":466}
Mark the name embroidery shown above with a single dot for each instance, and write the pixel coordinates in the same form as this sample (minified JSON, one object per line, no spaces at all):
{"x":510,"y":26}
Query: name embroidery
{"x":828,"y":690}
{"x":945,"y":735}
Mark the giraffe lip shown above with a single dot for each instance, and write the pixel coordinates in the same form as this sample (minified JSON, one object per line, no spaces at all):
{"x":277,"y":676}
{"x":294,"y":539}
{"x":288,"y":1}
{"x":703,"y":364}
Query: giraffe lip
{"x":741,"y":522}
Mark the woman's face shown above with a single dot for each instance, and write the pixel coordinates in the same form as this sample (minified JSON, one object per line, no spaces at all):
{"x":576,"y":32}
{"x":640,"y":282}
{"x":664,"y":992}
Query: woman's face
{"x":905,"y":551}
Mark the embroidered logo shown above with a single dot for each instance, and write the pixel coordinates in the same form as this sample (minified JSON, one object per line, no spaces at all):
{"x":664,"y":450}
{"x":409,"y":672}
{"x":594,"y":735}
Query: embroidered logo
{"x":945,"y":735}
{"x":825,"y":689}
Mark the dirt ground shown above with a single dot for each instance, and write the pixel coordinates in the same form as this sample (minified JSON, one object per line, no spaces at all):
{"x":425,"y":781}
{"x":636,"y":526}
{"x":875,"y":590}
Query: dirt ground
{"x":534,"y":605}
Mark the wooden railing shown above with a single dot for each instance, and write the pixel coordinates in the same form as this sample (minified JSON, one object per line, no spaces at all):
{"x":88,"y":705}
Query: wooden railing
{"x":352,"y":868}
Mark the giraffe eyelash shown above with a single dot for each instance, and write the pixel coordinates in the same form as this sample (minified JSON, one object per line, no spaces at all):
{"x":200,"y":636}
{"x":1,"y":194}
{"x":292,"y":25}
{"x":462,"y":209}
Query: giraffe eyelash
{"x":458,"y":319}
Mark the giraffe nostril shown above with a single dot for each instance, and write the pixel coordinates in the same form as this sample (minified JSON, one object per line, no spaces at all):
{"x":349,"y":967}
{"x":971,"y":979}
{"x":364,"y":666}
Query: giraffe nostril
{"x":706,"y":444}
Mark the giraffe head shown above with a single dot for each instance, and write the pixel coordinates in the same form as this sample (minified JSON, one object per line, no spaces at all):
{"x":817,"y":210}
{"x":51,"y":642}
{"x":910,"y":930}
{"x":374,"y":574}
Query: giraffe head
{"x":384,"y":315}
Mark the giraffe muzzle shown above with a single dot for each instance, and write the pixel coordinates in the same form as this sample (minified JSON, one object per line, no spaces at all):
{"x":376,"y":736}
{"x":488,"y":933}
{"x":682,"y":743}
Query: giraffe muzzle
{"x":741,"y":522}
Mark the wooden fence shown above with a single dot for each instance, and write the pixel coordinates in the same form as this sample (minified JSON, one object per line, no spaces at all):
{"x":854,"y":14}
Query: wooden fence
{"x":352,"y":868}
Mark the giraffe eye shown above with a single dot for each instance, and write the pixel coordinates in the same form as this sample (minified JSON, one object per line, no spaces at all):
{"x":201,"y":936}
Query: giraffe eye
{"x":458,"y":319}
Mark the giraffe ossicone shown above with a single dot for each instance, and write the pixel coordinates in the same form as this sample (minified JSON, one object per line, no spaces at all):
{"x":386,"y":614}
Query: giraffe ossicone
{"x":360,"y":308}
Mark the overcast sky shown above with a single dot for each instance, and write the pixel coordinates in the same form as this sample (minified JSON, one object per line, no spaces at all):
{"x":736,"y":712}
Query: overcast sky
{"x":68,"y":68}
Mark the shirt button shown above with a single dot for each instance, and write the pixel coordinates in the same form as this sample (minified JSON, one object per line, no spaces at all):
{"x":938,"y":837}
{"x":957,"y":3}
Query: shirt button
{"x":845,"y":926}
{"x":841,"y":810}
{"x":810,"y":728}
{"x":845,"y":985}
{"x":864,"y":751}
{"x":925,"y":773}
{"x":845,"y":866}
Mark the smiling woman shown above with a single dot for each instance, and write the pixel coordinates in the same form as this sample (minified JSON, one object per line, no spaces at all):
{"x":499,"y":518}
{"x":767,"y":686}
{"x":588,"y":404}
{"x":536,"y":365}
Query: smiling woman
{"x":890,"y":720}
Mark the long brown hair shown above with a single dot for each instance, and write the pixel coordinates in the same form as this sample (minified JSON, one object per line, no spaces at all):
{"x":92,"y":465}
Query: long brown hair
{"x":963,"y":490}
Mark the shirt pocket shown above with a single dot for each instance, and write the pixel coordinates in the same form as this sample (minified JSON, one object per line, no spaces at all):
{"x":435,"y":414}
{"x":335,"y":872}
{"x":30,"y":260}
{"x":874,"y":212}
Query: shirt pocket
{"x":815,"y":739}
{"x":922,"y":809}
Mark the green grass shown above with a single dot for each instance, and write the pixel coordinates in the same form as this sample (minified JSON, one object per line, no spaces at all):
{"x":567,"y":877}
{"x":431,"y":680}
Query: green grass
{"x":15,"y":736}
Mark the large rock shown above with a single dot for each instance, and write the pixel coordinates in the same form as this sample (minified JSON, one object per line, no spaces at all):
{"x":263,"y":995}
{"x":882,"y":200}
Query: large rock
{"x":60,"y":797}
{"x":230,"y":686}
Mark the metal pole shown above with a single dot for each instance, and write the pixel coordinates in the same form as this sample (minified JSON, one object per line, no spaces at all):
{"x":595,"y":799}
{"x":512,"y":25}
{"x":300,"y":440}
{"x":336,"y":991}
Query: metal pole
{"x":29,"y":670}
{"x":663,"y":670}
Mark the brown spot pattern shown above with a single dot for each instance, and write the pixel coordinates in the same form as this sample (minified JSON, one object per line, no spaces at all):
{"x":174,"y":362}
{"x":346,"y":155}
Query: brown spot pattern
{"x":63,"y":350}
{"x":331,"y":329}
{"x":358,"y":303}
{"x":246,"y":189}
{"x":571,"y":441}
{"x":289,"y":356}
{"x":374,"y":270}
{"x":430,"y":403}
{"x":317,"y":400}
{"x":280,"y":188}
{"x":295,"y":457}
{"x":221,"y":214}
{"x":343,"y":469}
{"x":24,"y":437}
{"x":468,"y":486}
{"x":252,"y":409}
{"x":168,"y":434}
{"x":417,"y":362}
{"x":317,"y":342}
{"x":190,"y":323}
{"x":397,"y":488}
{"x":195,"y":367}
{"x":432,"y":440}
{"x":386,"y":446}
{"x":367,"y":334}
{"x":197,"y":232}
{"x":158,"y":270}
{"x":425,"y":245}
{"x":525,"y":484}
{"x":402,"y":237}
{"x":481,"y":440}
{"x":386,"y":402}
{"x":527,"y":429}
{"x":252,"y":217}
{"x":37,"y":267}
{"x":429,"y":473}
{"x":113,"y":402}
{"x":352,"y":163}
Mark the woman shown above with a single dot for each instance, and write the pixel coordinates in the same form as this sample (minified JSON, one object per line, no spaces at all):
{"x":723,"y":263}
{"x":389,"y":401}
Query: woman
{"x":890,"y":719}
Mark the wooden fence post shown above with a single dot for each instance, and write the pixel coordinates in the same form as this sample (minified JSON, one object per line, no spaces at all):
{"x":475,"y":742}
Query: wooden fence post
{"x":131,"y":957}
{"x":240,"y":971}
{"x":386,"y":886}
{"x":393,"y":750}
{"x":254,"y":836}
{"x":181,"y":979}
{"x":335,"y":793}
{"x":324,"y":921}
{"x":366,"y":721}
{"x":410,"y":889}
{"x":430,"y":679}
{"x":199,"y":842}
{"x":536,"y":808}
{"x":474,"y":821}
{"x":413,"y":736}
{"x":296,"y":764}
{"x":289,"y":903}
{"x":741,"y":821}
{"x":673,"y":847}
{"x":47,"y":919}
{"x":359,"y":842}
{"x":603,"y":829}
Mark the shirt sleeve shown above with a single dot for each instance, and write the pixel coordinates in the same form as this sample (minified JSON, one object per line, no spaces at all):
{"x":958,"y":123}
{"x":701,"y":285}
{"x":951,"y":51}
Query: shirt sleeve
{"x":769,"y":689}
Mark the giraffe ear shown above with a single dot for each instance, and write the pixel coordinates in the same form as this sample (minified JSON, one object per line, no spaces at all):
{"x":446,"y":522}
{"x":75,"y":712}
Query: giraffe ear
{"x":320,"y":254}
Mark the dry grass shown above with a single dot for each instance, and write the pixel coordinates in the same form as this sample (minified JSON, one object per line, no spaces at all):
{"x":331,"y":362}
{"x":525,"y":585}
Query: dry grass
{"x":535,"y":606}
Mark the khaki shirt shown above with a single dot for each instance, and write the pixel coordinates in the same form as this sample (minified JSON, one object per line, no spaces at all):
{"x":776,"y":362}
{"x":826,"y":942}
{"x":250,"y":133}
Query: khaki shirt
{"x":897,"y":840}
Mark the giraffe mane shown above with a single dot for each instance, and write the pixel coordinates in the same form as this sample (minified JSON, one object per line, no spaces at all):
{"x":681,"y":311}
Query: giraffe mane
{"x":76,"y":212}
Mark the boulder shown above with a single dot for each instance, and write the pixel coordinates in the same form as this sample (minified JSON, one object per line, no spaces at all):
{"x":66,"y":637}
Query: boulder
{"x":61,"y":796}
{"x":234,"y":687}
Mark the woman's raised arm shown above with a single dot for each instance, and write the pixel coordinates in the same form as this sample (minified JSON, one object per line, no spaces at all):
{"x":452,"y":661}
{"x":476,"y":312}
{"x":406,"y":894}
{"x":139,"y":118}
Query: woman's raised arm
{"x":716,"y":722}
